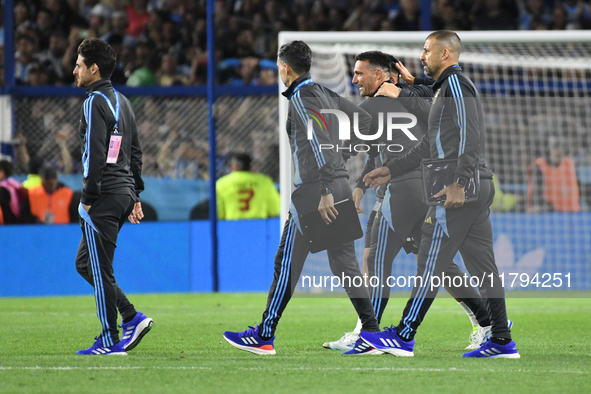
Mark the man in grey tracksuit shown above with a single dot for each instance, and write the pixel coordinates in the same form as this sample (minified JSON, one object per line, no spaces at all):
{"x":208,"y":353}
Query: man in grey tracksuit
{"x":455,"y":130}
{"x":320,"y":179}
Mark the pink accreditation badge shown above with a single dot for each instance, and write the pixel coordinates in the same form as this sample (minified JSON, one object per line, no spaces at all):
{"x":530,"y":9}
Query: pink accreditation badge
{"x":114,"y":146}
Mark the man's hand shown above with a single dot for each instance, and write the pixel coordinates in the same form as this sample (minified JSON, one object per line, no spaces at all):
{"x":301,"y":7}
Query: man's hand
{"x":86,"y":207}
{"x":456,"y":197}
{"x":137,"y":214}
{"x":388,"y":90}
{"x":377,"y":177}
{"x":357,"y":196}
{"x":327,"y":209}
{"x":405,"y":74}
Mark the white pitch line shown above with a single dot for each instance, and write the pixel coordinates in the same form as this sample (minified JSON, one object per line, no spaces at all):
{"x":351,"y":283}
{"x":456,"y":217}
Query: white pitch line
{"x":394,"y":369}
{"x":68,"y":368}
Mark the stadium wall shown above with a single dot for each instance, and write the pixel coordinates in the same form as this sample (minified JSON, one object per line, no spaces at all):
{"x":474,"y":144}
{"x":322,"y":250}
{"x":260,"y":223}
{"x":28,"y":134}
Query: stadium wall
{"x":175,"y":257}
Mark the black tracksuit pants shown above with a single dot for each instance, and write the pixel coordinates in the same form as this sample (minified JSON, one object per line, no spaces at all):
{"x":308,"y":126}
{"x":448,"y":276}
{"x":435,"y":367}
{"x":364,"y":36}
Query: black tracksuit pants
{"x":94,"y":261}
{"x":405,"y":209}
{"x":292,"y":253}
{"x":444,"y":232}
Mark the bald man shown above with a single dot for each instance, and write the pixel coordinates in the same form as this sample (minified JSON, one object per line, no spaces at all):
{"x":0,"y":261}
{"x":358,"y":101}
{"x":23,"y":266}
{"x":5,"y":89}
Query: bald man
{"x":455,"y":131}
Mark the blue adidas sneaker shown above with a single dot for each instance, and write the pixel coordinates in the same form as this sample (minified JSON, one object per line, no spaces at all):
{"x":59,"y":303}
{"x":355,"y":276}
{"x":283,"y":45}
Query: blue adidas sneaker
{"x":250,"y":341}
{"x":135,"y":330}
{"x":362,"y":349}
{"x":489,"y":349}
{"x":97,"y":349}
{"x":388,"y":341}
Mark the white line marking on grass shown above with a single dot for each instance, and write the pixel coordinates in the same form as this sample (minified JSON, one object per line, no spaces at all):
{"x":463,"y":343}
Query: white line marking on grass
{"x":68,"y":368}
{"x":394,"y":369}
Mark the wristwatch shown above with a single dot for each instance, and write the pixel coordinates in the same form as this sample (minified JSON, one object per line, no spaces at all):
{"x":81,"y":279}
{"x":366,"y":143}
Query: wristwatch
{"x":461,"y":181}
{"x":325,"y":190}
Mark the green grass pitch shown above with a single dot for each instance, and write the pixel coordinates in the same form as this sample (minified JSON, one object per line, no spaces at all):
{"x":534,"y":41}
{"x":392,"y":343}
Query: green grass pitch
{"x":185,"y":351}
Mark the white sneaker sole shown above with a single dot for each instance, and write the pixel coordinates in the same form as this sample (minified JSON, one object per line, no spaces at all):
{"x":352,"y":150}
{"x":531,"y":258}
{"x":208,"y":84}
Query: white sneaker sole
{"x":374,"y":352}
{"x":141,"y":330}
{"x":398,"y":352}
{"x":261,"y":352}
{"x":334,"y":346}
{"x":514,"y":355}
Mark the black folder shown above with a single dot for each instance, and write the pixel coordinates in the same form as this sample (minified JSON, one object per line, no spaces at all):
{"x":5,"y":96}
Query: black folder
{"x":321,"y":236}
{"x":438,"y":174}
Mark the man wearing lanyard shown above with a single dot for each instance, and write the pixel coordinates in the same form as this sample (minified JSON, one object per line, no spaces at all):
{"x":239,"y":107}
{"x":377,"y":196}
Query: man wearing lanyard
{"x":112,"y":164}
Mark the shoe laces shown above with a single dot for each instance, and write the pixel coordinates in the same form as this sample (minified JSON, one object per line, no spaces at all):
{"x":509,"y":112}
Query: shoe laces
{"x":349,"y":338}
{"x":391,"y":329}
{"x":251,"y":331}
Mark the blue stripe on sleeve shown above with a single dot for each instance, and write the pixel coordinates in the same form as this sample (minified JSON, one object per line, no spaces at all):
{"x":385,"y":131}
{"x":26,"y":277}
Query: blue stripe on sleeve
{"x":88,"y":118}
{"x":299,"y":105}
{"x":460,"y":110}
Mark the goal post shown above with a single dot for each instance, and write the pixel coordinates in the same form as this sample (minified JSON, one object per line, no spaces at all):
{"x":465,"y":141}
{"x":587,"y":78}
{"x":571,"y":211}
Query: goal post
{"x":533,"y":84}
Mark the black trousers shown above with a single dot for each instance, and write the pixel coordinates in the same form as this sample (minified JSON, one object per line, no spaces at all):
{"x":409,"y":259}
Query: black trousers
{"x":407,"y":213}
{"x":292,"y":253}
{"x":94,"y":260}
{"x":444,"y":232}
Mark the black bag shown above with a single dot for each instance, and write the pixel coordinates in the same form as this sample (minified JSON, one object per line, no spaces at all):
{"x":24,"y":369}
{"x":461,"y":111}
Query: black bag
{"x":438,"y":174}
{"x":345,"y":228}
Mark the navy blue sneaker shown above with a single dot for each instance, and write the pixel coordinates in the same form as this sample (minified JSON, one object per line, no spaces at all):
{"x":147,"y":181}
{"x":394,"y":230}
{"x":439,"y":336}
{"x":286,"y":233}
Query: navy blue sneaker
{"x":489,"y":349}
{"x":250,"y":341}
{"x":362,"y":349}
{"x":388,"y":341}
{"x":135,"y":330}
{"x":97,"y":349}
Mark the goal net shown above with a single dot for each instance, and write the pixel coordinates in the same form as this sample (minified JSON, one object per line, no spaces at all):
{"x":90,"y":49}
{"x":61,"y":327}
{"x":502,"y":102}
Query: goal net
{"x":536,"y":97}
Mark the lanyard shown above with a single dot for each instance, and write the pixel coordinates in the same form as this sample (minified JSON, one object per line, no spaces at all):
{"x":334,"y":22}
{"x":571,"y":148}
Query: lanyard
{"x":114,"y":111}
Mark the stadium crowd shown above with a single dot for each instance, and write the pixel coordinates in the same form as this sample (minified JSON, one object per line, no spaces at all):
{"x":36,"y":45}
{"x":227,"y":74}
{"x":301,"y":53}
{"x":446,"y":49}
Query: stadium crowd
{"x":163,"y":42}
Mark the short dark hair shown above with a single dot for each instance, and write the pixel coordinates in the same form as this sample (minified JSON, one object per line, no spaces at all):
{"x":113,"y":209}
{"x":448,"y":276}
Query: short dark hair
{"x":25,"y":36}
{"x":378,"y":59}
{"x":449,"y":38}
{"x":298,"y":55}
{"x":6,"y":166}
{"x":243,"y":159}
{"x":96,"y":51}
{"x":48,"y":172}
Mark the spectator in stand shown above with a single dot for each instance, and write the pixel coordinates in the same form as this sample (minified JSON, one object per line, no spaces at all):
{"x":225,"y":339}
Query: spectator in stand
{"x":98,"y":22}
{"x":119,"y":26}
{"x":146,"y":75}
{"x":53,"y":57}
{"x":25,"y":57}
{"x":409,"y":17}
{"x":64,"y":18}
{"x":40,"y":76}
{"x":553,"y":183}
{"x":21,"y":15}
{"x":448,"y":17}
{"x":50,"y":203}
{"x":559,"y":18}
{"x":118,"y":75}
{"x":168,"y":74}
{"x":12,"y":195}
{"x":495,"y":15}
{"x":534,"y":15}
{"x":268,"y":75}
{"x":44,"y":25}
{"x":577,"y":14}
{"x":137,"y":16}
